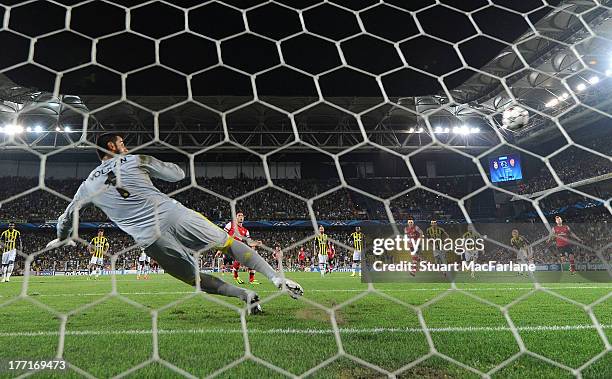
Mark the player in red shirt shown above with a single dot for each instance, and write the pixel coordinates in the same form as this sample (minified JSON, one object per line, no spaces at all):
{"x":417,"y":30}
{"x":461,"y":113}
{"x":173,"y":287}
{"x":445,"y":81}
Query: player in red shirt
{"x":563,"y":235}
{"x":302,"y":258}
{"x":414,"y":233}
{"x":237,"y":230}
{"x":331,"y":255}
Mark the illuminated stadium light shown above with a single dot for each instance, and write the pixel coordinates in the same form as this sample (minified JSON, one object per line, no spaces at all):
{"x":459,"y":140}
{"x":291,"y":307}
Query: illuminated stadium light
{"x":438,"y":129}
{"x":12,"y":129}
{"x":411,"y":130}
{"x":565,"y":96}
{"x":552,"y":103}
{"x":474,"y":130}
{"x":461,"y":130}
{"x":38,"y":129}
{"x":594,"y":80}
{"x":446,"y":130}
{"x":421,"y":130}
{"x":29,"y":129}
{"x":67,"y":129}
{"x":608,"y":72}
{"x":57,"y":129}
{"x":580,"y":87}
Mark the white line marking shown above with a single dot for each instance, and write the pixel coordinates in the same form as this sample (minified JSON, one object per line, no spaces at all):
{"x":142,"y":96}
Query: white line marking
{"x":325,"y":291}
{"x":450,"y":329}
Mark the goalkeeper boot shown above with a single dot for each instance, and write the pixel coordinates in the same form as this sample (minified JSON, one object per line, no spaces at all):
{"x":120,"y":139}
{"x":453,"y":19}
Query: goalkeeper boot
{"x":253,"y":306}
{"x":238,"y":280}
{"x":353,"y":274}
{"x":294,"y":289}
{"x":254,"y":282}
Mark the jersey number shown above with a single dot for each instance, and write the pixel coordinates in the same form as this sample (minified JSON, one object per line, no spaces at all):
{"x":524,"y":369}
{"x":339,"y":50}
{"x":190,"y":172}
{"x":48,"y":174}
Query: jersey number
{"x":111,"y":179}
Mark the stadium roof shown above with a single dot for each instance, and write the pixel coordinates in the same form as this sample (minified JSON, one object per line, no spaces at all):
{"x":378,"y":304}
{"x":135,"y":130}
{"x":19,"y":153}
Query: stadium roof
{"x":555,"y":43}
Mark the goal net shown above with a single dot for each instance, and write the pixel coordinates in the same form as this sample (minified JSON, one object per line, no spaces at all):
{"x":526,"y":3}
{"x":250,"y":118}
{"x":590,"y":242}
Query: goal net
{"x":310,"y":114}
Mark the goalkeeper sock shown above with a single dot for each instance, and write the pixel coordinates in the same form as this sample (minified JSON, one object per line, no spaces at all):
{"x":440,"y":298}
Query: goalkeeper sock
{"x":213,"y":285}
{"x":10,"y":270}
{"x":249,"y":257}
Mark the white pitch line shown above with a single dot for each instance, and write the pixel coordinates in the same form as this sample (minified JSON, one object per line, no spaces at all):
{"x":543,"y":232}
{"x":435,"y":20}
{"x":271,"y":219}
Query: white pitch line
{"x":328,"y":290}
{"x":450,"y":329}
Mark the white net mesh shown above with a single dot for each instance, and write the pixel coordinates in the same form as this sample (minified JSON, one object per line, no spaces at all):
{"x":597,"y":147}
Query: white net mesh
{"x":552,"y":68}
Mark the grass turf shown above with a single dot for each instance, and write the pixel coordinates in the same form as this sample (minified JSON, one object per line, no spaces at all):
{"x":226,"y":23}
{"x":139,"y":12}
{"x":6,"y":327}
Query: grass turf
{"x":107,"y":335}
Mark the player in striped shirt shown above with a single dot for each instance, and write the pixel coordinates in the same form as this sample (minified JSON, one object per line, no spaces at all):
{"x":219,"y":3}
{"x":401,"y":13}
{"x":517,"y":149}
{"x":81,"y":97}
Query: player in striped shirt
{"x":436,"y":232}
{"x":8,"y":240}
{"x":524,"y":253}
{"x":470,"y":255}
{"x":97,"y":247}
{"x":320,"y":248}
{"x":357,"y":240}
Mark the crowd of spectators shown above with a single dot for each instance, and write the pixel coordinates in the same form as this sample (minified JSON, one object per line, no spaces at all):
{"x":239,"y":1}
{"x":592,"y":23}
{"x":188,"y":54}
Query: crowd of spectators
{"x":259,"y":203}
{"x":263,"y":204}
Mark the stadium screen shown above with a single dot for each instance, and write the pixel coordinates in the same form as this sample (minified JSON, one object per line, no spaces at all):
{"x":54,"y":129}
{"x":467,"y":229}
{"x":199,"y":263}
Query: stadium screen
{"x":505,"y":168}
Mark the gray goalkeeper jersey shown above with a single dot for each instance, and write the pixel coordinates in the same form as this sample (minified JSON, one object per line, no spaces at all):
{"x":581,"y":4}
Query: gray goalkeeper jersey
{"x":121,"y":187}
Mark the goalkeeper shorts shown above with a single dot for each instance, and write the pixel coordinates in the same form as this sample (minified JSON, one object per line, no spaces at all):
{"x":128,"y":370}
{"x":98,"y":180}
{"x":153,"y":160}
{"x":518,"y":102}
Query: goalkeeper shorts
{"x":175,"y":249}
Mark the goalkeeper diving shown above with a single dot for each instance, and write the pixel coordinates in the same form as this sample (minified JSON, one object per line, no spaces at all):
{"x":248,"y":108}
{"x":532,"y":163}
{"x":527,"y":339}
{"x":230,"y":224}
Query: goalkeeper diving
{"x":170,"y":233}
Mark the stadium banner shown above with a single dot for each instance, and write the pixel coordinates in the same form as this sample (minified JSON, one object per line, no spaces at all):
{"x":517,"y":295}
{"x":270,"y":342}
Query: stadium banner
{"x":86,"y":272}
{"x":258,"y":224}
{"x":72,"y":273}
{"x":43,"y":273}
{"x":486,"y":252}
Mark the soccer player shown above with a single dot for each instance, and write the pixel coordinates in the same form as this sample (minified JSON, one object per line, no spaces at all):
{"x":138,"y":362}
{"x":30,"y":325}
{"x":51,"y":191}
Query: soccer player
{"x":142,"y":261}
{"x":358,"y":243}
{"x":331,"y":257}
{"x":277,"y":256}
{"x":438,"y":233}
{"x":9,"y":239}
{"x":320,"y":248}
{"x":97,"y":247}
{"x":302,"y":258}
{"x":147,"y":267}
{"x":414,"y":233}
{"x":237,"y":230}
{"x":226,"y":261}
{"x":521,"y":244}
{"x":561,"y":234}
{"x":171,"y":233}
{"x":470,"y":255}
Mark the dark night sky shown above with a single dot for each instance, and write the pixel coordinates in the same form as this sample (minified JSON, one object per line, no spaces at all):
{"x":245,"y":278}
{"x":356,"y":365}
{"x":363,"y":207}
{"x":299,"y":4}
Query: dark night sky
{"x":188,"y":53}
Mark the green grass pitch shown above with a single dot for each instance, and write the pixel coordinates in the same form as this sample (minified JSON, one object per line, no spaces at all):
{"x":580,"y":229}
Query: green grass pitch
{"x":109,"y":335}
